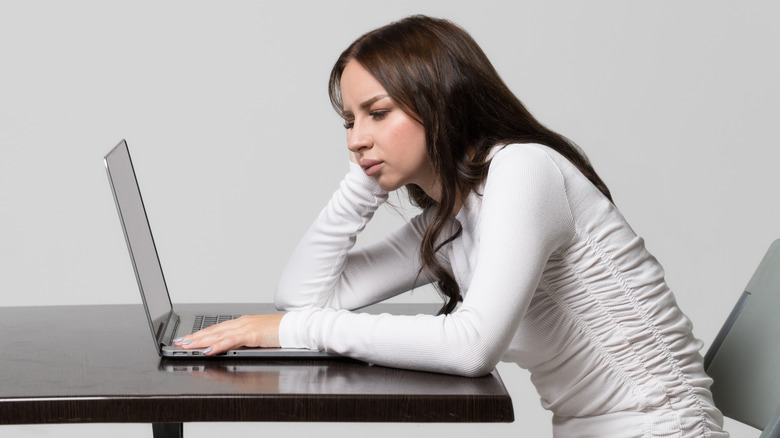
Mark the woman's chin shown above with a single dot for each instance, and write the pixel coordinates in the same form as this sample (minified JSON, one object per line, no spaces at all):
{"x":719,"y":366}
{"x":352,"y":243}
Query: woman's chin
{"x":386,"y":185}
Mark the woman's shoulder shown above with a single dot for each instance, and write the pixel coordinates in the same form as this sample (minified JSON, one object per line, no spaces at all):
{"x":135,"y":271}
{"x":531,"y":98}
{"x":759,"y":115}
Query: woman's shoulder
{"x":544,"y":169}
{"x":521,"y":151}
{"x":536,"y":159}
{"x":525,"y":160}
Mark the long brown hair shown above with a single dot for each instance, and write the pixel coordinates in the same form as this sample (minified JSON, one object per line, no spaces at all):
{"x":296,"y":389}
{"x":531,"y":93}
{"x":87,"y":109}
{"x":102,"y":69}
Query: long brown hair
{"x":439,"y":75}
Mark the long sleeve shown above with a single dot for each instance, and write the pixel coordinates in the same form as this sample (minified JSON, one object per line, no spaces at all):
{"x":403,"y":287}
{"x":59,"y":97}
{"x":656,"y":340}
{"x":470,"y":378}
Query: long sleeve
{"x":524,"y":217}
{"x":325,"y":271}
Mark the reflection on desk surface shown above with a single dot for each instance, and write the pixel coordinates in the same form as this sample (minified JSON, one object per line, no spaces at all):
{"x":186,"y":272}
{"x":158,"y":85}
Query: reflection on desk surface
{"x":97,"y":366}
{"x":334,"y":377}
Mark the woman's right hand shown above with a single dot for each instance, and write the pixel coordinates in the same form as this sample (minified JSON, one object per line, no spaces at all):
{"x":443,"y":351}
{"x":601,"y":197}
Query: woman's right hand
{"x":247,"y":331}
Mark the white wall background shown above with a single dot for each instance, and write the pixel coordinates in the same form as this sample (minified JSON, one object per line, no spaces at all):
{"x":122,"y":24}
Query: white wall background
{"x":225,"y":108}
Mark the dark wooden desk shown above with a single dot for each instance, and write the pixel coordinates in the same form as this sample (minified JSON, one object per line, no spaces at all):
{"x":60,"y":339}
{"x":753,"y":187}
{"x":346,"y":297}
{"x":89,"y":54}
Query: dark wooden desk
{"x":77,"y":364}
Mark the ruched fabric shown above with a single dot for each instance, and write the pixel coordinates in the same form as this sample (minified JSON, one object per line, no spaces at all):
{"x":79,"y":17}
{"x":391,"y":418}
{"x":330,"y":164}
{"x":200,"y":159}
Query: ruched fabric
{"x":554,"y":279}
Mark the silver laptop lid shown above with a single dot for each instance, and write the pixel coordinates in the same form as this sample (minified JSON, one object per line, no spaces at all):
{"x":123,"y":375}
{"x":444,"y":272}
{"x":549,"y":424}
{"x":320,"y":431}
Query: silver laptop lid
{"x":140,"y":243}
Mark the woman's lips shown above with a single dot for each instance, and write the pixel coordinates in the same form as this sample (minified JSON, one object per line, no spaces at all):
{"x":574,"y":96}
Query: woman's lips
{"x":370,"y":166}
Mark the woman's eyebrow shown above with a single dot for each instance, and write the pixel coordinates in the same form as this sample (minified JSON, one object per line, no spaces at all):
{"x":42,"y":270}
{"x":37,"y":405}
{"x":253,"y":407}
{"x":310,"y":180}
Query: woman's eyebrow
{"x":365,"y":105}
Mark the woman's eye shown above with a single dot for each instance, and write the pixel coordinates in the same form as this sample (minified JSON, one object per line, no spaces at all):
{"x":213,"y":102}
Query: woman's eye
{"x":378,"y":114}
{"x":375,"y":115}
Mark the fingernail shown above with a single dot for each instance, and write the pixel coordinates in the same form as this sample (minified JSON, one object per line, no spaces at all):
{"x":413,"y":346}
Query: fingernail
{"x":186,"y":343}
{"x":207,"y":351}
{"x":177,"y":340}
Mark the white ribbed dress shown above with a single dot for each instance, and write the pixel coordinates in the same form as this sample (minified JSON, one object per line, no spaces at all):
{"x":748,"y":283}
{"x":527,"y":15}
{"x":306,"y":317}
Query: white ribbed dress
{"x":553,"y":279}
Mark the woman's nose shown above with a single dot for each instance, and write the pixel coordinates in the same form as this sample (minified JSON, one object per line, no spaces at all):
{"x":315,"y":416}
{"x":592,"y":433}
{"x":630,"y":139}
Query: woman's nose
{"x":358,"y":138}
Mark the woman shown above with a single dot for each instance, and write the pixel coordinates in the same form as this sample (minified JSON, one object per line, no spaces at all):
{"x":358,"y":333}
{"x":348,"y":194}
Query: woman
{"x":536,"y":264}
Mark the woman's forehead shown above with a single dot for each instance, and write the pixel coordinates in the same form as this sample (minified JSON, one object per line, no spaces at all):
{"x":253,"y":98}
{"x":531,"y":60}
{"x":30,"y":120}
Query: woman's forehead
{"x":359,"y":87}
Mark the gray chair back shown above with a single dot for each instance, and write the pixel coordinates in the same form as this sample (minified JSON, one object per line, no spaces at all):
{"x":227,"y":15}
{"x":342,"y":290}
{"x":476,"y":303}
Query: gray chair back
{"x":744,"y":359}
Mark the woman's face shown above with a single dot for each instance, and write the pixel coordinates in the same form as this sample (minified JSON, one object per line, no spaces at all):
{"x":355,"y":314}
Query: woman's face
{"x":383,"y":139}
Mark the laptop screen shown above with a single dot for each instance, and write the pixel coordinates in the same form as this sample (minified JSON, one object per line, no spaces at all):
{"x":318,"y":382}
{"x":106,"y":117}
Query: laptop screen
{"x":138,"y":234}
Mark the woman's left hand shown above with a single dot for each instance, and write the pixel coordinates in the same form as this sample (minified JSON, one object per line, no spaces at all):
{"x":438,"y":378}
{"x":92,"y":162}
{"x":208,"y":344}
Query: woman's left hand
{"x":246,"y":331}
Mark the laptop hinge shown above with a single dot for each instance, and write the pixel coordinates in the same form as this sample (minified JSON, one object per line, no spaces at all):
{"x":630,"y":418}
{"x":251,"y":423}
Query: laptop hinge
{"x":170,"y":330}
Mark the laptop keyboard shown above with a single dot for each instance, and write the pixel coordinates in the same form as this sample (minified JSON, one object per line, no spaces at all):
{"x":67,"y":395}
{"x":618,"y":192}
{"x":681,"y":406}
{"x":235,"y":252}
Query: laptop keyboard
{"x":203,"y":321}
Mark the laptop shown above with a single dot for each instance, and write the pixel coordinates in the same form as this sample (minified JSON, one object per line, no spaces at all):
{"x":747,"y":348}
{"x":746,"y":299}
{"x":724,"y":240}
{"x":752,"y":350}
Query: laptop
{"x":165,"y":322}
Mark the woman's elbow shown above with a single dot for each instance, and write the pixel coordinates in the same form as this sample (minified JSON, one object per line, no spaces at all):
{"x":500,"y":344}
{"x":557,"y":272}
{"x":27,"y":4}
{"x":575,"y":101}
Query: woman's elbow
{"x":471,"y":365}
{"x":280,"y":303}
{"x":295,"y":301}
{"x":480,"y":370}
{"x":285,"y":301}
